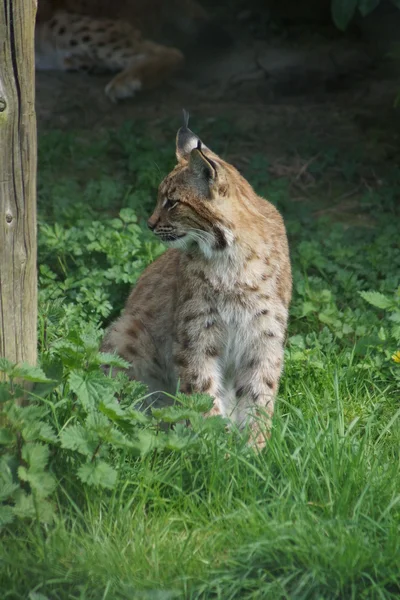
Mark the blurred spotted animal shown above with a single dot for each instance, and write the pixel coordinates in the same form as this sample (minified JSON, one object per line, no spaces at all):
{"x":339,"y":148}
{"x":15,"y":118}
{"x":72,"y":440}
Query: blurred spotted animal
{"x":106,"y":36}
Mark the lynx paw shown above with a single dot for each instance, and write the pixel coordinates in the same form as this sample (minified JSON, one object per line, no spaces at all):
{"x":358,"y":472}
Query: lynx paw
{"x":117,"y":89}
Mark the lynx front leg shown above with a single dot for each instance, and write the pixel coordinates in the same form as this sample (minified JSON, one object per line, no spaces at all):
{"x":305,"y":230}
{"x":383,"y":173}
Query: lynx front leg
{"x":197,"y":356}
{"x":145,"y":72}
{"x":256,"y":389}
{"x":203,"y":378}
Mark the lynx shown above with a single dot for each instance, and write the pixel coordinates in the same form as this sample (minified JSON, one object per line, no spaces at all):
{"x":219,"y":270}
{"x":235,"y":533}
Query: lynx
{"x":211,"y":312}
{"x":69,"y":38}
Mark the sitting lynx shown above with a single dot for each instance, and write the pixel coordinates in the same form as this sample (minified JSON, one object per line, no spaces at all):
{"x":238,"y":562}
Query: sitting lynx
{"x":212,"y":311}
{"x":68,"y":37}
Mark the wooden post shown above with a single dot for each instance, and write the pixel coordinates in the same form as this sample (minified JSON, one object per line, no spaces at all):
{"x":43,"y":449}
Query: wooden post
{"x":18,"y":277}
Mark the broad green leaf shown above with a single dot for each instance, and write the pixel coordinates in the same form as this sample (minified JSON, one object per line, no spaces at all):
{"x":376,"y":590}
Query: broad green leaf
{"x":396,"y":333}
{"x":137,"y":416}
{"x":98,"y":422}
{"x":6,"y":436}
{"x":6,"y":515}
{"x":54,"y":372}
{"x":98,"y":473}
{"x":7,"y":489}
{"x":297,"y":341}
{"x":307,"y":308}
{"x":6,"y":366}
{"x":377,"y":299}
{"x":367,"y":6}
{"x":112,"y":409}
{"x":30,"y":373}
{"x":42,"y":483}
{"x":342,"y":12}
{"x":25,"y":508}
{"x":37,"y":596}
{"x":145,"y":441}
{"x":90,"y":340}
{"x":200,"y":403}
{"x":36,"y":455}
{"x":116,"y":438}
{"x":172,"y":414}
{"x":180,"y":439}
{"x":90,"y":387}
{"x":76,"y":437}
{"x":5,"y":393}
{"x":112,"y":360}
{"x":47,"y":434}
{"x":31,"y":431}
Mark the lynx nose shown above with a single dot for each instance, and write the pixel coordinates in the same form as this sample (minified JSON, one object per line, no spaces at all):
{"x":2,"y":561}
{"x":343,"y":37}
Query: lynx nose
{"x":151,"y":224}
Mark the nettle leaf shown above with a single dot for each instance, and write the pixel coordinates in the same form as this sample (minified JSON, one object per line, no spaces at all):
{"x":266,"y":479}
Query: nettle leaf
{"x":98,"y":422}
{"x":76,"y":437}
{"x":42,"y":483}
{"x":180,"y":439}
{"x":54,"y":371}
{"x":297,"y":341}
{"x":98,"y":474}
{"x":21,"y":416}
{"x":137,"y":416}
{"x":172,"y":414}
{"x":90,"y":387}
{"x":7,"y":490}
{"x":146,"y":441}
{"x":25,"y":508}
{"x":31,"y":431}
{"x":367,"y":6}
{"x":377,"y":299}
{"x":90,"y":340}
{"x":396,"y":333}
{"x":342,"y":12}
{"x":214,"y":425}
{"x":5,"y":392}
{"x":47,"y":434}
{"x":116,"y":438}
{"x":6,"y":515}
{"x":7,"y":437}
{"x":112,"y":409}
{"x":200,"y":403}
{"x":30,"y":373}
{"x":36,"y":455}
{"x":6,"y":366}
{"x":112,"y":360}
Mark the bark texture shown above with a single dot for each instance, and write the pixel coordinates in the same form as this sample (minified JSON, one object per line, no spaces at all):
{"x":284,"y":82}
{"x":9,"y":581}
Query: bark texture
{"x":18,"y":151}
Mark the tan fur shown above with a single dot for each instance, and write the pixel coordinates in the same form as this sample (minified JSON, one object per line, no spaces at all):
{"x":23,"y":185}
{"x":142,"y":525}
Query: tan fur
{"x":212,"y":312}
{"x":68,"y":37}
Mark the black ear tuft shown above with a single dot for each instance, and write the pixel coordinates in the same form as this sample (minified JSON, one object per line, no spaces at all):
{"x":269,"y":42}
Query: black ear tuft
{"x":185,"y":118}
{"x":186,"y":140}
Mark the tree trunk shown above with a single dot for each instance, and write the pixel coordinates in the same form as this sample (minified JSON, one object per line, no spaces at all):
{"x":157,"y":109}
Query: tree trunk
{"x":18,"y":277}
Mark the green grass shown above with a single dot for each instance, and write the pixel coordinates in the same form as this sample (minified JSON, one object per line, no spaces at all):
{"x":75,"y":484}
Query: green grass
{"x":317,"y":515}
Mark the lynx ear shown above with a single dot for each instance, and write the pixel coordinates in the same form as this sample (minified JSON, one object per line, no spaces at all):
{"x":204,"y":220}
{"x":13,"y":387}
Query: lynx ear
{"x":203,"y":170}
{"x":186,"y":140}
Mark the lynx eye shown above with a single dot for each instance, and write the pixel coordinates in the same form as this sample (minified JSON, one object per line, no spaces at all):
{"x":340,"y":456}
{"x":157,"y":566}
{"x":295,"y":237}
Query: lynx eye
{"x":170,"y":204}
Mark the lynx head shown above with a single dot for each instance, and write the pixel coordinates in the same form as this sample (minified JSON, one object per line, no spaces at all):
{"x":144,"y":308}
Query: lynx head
{"x":196,"y":201}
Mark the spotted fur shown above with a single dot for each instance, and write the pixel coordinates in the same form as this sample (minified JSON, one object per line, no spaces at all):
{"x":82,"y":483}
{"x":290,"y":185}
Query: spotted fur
{"x":70,"y":41}
{"x":211,"y":313}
